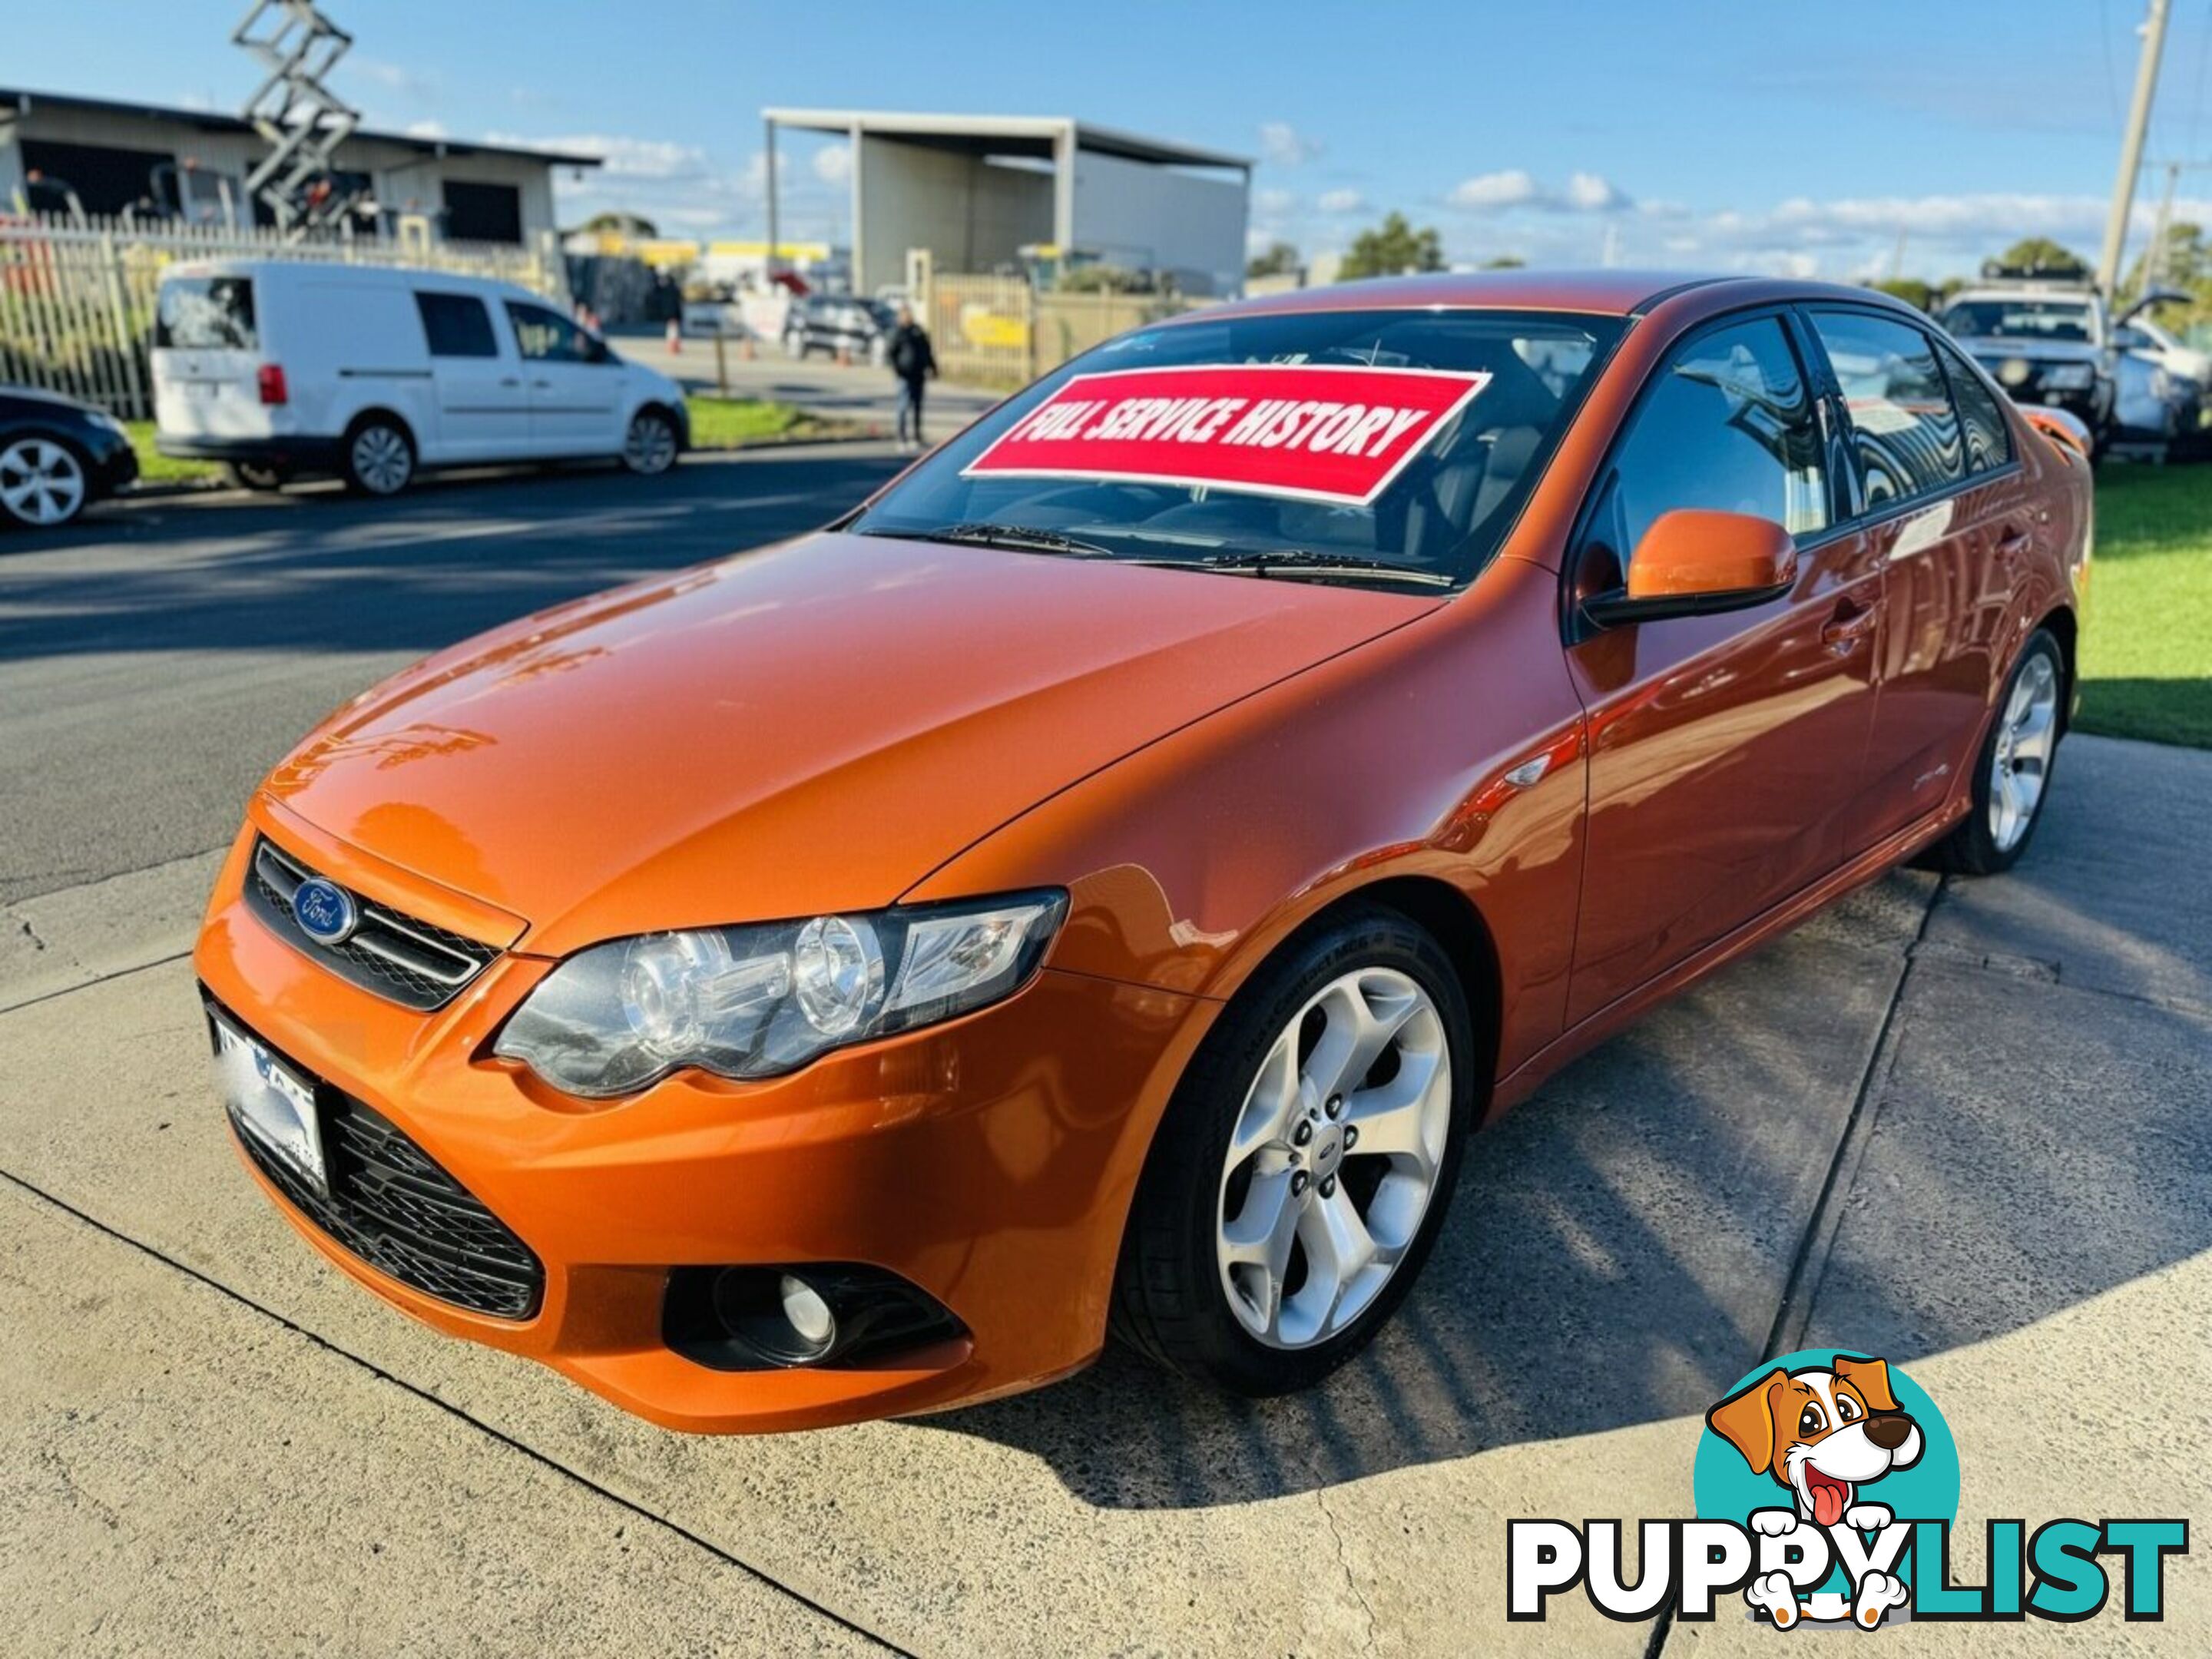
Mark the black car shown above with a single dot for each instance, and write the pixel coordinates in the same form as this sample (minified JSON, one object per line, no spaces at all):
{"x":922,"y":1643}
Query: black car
{"x":57,"y":457}
{"x":838,"y":322}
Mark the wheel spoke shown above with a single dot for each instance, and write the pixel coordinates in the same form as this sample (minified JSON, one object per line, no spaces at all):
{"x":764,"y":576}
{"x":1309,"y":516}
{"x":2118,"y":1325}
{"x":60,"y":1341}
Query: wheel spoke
{"x":1394,"y":1120}
{"x":1339,"y":1249}
{"x":1362,"y":1019}
{"x":1268,"y":1106}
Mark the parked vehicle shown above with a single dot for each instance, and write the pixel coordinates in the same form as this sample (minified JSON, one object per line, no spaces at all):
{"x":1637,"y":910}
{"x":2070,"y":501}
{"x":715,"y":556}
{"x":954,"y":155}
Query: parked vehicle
{"x":283,"y":369}
{"x":2055,"y":341}
{"x":838,"y":322}
{"x":57,"y":457}
{"x":2158,"y":413}
{"x":1103,"y":880}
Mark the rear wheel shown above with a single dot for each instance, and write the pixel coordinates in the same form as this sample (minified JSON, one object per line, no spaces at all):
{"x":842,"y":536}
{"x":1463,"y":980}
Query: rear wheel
{"x":42,"y":481}
{"x":254,"y":475}
{"x":649,"y":446}
{"x":1302,"y":1171}
{"x":2012,"y":774}
{"x":379,"y":458}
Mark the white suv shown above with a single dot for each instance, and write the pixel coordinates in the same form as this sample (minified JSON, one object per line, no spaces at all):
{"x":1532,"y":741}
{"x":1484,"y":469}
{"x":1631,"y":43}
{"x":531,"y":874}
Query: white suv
{"x":283,"y":369}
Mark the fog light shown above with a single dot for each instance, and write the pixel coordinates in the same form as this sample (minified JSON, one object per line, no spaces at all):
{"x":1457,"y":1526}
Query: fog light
{"x":809,"y":1314}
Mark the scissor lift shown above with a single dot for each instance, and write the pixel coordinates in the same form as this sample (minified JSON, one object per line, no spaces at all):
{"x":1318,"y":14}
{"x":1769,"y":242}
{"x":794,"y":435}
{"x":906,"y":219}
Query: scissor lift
{"x":303,"y":121}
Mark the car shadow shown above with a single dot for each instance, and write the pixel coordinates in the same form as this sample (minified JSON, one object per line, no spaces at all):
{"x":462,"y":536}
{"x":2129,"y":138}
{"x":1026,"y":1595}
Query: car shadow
{"x":1619,"y":1247}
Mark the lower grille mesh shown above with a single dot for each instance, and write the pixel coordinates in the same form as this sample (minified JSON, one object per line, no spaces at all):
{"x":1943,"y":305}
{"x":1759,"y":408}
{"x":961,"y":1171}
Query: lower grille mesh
{"x":391,"y":1205}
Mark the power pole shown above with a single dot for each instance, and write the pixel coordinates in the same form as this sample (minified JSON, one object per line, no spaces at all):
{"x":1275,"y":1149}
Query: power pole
{"x":2124,"y":187}
{"x":2154,"y":255}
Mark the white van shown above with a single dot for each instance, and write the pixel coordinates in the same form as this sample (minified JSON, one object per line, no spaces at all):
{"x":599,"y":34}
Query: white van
{"x":281,"y":369}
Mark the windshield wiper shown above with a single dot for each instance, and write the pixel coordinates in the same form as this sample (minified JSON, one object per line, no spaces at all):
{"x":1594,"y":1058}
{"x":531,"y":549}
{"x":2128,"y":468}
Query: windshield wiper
{"x":1304,"y":562}
{"x":1023,"y":538}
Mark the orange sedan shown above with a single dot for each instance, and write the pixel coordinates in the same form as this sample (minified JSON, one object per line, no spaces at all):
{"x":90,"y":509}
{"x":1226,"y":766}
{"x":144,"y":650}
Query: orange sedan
{"x":1098,"y":885}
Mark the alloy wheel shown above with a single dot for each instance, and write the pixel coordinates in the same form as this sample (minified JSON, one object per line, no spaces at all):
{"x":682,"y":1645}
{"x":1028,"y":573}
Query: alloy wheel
{"x":1334,"y":1158}
{"x":650,"y":445}
{"x":2020,"y":761}
{"x":381,"y":461}
{"x":41,"y":481}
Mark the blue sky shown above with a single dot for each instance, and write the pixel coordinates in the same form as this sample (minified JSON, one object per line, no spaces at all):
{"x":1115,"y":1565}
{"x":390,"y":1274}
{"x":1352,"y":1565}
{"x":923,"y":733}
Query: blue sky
{"x":1782,"y":135}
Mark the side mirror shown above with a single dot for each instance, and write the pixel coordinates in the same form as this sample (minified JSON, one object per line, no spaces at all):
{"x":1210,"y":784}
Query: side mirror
{"x":1694,"y":562}
{"x":597,"y":350}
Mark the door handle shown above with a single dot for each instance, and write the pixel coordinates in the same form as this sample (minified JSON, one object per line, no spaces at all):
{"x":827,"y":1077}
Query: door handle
{"x":511,"y":380}
{"x":1851,"y":624}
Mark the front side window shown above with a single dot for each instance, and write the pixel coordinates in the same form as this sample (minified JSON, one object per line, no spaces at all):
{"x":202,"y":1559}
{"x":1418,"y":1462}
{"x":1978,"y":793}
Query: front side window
{"x":1981,"y":422}
{"x":206,"y":313}
{"x":456,"y":325}
{"x":1299,"y":436}
{"x":1726,"y":425}
{"x":1903,"y":428}
{"x":545,"y":336}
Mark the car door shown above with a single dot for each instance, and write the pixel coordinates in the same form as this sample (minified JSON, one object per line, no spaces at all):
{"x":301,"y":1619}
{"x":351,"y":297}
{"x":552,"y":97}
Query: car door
{"x":1726,"y":750}
{"x":1945,"y":510}
{"x":575,"y":387}
{"x":484,"y":407}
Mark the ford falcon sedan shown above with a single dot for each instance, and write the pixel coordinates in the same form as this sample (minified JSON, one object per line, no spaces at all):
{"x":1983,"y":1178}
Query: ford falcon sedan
{"x":1097,"y":886}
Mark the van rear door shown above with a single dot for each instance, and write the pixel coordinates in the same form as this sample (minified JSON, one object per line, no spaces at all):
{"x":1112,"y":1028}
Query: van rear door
{"x":208,"y":359}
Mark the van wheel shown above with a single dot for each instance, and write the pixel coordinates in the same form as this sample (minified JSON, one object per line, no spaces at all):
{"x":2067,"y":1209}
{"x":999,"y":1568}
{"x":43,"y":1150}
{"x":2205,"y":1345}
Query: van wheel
{"x":2012,"y":773}
{"x":649,"y":447}
{"x":254,"y":475}
{"x":1303,"y":1170}
{"x":379,"y":458}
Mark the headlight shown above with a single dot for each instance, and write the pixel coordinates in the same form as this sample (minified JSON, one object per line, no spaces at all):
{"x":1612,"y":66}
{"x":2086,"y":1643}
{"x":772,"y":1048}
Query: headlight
{"x":750,"y":1002}
{"x":2069,"y":377}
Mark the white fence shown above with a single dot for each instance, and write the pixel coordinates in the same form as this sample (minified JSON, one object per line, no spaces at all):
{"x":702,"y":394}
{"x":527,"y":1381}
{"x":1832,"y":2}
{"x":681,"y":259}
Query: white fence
{"x":76,"y":294}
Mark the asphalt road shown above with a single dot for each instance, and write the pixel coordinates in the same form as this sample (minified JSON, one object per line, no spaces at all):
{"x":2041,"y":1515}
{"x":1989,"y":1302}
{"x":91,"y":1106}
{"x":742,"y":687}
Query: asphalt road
{"x":1961,"y":1125}
{"x":157,"y":657}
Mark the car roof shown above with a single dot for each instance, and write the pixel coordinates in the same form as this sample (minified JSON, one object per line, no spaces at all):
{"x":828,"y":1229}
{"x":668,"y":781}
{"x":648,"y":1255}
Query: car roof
{"x":452,"y":281}
{"x":1602,"y":292}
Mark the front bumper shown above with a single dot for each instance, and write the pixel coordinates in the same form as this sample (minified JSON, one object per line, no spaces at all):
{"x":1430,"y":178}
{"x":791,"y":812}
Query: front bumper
{"x":989,"y":1161}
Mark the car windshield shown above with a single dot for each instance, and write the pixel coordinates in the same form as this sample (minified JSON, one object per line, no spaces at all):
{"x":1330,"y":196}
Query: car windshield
{"x":2020,"y":319}
{"x":1375,"y":447}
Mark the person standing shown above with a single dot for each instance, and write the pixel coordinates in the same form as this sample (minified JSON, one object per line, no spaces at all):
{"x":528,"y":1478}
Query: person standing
{"x":914,"y":362}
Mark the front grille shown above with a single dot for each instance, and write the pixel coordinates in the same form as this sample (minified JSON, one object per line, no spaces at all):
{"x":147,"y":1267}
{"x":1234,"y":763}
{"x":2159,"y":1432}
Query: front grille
{"x":391,"y":1205}
{"x":400,"y":958}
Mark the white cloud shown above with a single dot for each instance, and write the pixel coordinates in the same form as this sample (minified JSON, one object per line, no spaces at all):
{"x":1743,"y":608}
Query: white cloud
{"x":1273,"y":204}
{"x":426,"y":129}
{"x":622,"y":157}
{"x":833,"y":164}
{"x":1342,"y":201}
{"x":392,"y":78}
{"x":1284,"y":145}
{"x":1488,"y":193}
{"x":1588,"y":192}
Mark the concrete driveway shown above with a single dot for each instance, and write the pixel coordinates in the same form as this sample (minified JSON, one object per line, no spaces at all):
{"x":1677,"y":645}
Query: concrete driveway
{"x":1963,"y":1125}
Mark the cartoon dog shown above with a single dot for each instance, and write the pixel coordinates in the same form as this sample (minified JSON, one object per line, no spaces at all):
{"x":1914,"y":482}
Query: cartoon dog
{"x":1823,"y":1435}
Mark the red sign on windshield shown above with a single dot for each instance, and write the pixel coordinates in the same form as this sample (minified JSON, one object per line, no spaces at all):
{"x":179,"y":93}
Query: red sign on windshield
{"x":1328,"y":434}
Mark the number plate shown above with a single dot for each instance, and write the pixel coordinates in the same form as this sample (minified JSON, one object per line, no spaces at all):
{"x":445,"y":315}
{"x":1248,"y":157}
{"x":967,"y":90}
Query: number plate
{"x":270,"y":1100}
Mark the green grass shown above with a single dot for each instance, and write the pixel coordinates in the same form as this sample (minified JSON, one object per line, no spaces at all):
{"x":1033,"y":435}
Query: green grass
{"x":716,"y":423}
{"x":2147,"y":650}
{"x":153,"y":467}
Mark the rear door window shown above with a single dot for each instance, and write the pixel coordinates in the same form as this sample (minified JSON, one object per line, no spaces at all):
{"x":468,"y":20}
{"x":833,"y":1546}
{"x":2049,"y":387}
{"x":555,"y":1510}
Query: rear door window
{"x":1905,"y":429}
{"x":1981,"y":422}
{"x":456,"y":325}
{"x":206,"y":313}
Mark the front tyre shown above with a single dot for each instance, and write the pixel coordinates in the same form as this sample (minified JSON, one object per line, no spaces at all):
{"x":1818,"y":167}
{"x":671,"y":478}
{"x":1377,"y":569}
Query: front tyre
{"x":2012,"y":774}
{"x":1303,"y":1170}
{"x":649,"y":446}
{"x":379,"y":458}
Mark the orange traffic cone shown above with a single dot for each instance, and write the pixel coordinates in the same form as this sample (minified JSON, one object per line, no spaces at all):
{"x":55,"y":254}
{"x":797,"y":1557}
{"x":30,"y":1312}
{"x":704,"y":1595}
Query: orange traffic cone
{"x":675,"y":336}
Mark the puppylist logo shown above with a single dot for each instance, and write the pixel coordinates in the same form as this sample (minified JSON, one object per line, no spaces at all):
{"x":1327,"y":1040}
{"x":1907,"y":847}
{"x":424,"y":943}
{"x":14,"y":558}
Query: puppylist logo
{"x":1826,"y":1485}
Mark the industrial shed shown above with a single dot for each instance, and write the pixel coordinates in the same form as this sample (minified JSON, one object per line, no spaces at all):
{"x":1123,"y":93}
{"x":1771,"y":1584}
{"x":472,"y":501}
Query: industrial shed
{"x":981,"y":191}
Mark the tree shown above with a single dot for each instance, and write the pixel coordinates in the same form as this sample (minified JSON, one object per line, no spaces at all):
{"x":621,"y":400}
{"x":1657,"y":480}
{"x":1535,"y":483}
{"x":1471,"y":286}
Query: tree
{"x":1504,"y":262}
{"x":2187,"y":263}
{"x":1911,"y":289}
{"x":1281,"y":259}
{"x":1391,"y":249}
{"x":620,"y":224}
{"x":2041,"y":254}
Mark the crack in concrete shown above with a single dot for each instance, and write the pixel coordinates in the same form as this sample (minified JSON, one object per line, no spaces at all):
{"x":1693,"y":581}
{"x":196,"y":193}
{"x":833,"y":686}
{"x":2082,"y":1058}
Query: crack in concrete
{"x":87,"y":984}
{"x":40,"y":1195}
{"x":1344,"y":1560}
